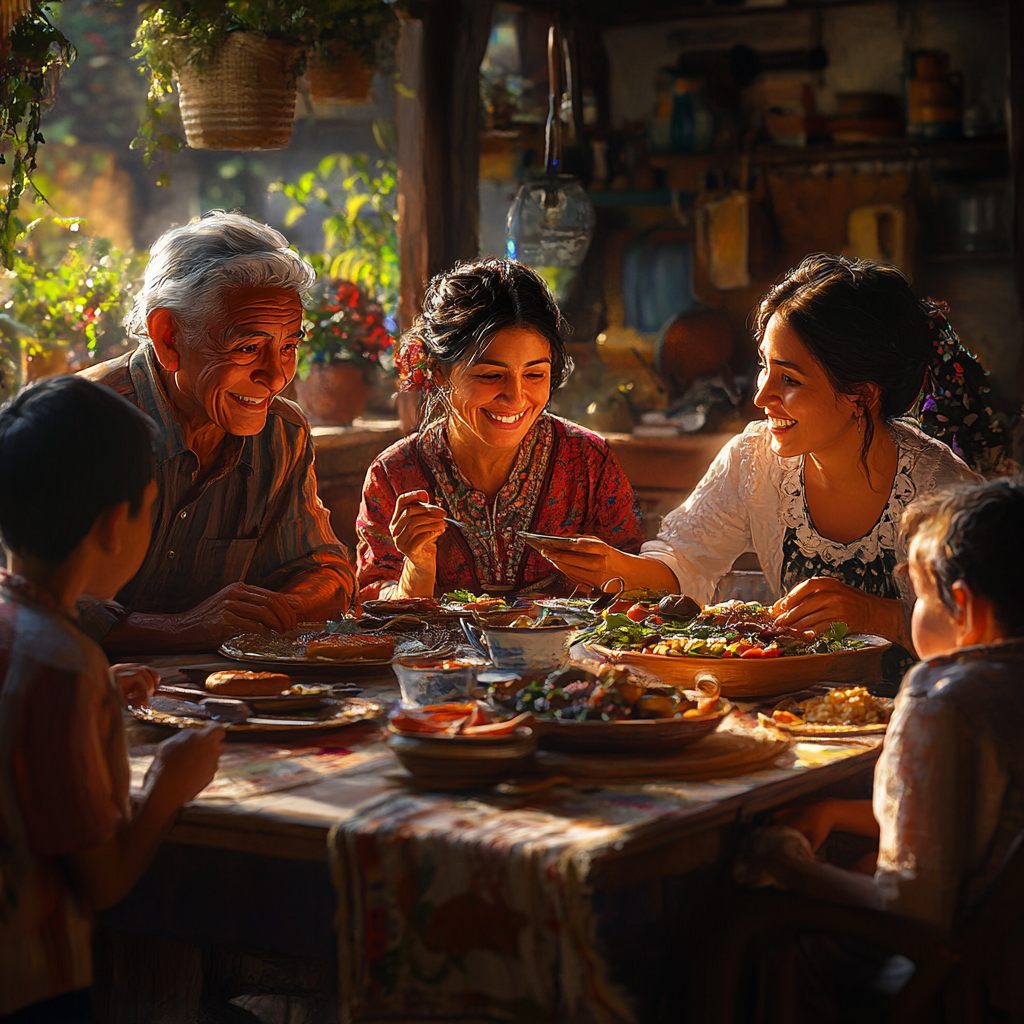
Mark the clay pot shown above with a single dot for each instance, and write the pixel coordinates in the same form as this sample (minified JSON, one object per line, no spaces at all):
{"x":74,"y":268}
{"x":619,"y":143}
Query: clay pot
{"x":339,"y":76}
{"x":243,"y":98}
{"x":333,"y":394}
{"x":693,"y":344}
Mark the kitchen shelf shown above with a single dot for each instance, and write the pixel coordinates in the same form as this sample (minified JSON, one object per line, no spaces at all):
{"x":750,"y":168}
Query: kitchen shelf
{"x":614,"y":12}
{"x":615,"y":198}
{"x":685,"y":172}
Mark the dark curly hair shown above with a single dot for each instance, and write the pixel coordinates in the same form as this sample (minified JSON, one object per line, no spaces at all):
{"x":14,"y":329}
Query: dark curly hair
{"x":973,"y":534}
{"x":469,"y":304}
{"x":862,"y":323}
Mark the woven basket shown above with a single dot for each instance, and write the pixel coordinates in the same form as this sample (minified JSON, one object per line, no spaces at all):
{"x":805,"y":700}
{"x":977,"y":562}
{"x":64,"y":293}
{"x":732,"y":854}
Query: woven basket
{"x":244,"y":97}
{"x":339,"y":76}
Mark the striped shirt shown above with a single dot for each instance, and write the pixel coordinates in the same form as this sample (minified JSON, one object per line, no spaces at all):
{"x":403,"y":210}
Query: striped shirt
{"x":257,"y":520}
{"x":63,"y":790}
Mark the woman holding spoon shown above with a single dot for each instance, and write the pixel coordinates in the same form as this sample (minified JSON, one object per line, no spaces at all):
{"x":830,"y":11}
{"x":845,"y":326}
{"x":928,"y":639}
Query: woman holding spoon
{"x":445,"y":508}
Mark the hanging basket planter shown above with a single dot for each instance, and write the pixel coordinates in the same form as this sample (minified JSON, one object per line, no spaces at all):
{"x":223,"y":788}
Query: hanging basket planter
{"x":337,"y":74}
{"x":243,"y":97}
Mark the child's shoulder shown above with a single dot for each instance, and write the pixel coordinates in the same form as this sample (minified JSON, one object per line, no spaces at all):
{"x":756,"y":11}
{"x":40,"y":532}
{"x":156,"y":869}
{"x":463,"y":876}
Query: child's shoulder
{"x":35,"y":640}
{"x":965,"y":674}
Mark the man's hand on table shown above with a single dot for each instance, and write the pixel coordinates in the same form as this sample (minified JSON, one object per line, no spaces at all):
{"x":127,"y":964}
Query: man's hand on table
{"x":137,"y":682}
{"x":238,"y":608}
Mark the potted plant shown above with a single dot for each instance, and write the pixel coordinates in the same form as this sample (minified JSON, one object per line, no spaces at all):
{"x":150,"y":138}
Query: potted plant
{"x":236,"y":64}
{"x":360,"y":232}
{"x":65,"y":303}
{"x":340,"y":66}
{"x":346,"y":339}
{"x":337,"y":74}
{"x":32,"y":57}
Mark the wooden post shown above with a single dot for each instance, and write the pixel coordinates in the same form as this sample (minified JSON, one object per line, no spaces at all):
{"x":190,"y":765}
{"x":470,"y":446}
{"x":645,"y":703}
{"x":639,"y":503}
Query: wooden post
{"x":438,"y":141}
{"x":1015,"y":14}
{"x":412,"y":204}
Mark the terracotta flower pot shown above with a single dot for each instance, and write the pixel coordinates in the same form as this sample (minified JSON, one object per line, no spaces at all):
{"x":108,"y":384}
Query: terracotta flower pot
{"x":244,"y":96}
{"x":339,"y":76}
{"x":333,"y":394}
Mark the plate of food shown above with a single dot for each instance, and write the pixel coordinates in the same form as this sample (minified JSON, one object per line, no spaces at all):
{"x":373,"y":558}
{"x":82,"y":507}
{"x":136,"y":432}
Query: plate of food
{"x":842,"y":711}
{"x":263,"y":691}
{"x":738,"y":643}
{"x":317,"y":648}
{"x":466,"y":602}
{"x":574,"y":605}
{"x":612,"y":712}
{"x":464,"y":744}
{"x":237,"y":716}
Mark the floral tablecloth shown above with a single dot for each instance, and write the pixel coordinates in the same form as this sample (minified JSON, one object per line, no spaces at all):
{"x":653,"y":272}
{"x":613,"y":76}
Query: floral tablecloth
{"x":480,"y":907}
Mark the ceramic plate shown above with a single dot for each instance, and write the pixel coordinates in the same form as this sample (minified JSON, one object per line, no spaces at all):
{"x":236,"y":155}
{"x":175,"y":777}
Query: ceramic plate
{"x":334,"y":715}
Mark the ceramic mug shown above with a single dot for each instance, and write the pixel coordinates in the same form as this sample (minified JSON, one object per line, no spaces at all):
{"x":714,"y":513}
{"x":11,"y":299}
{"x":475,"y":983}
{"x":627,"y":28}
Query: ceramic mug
{"x":541,"y":649}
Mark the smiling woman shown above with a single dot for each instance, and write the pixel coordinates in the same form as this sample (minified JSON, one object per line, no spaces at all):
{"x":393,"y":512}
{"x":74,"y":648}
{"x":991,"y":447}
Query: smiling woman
{"x":818,"y":487}
{"x":488,"y":351}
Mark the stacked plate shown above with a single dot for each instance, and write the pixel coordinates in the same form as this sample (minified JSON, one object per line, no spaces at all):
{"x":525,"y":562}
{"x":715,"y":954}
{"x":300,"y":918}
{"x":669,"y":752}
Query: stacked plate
{"x":460,"y":761}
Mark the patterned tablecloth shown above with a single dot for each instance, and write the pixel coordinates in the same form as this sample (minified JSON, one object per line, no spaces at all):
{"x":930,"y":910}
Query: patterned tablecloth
{"x":481,"y":906}
{"x":474,"y":906}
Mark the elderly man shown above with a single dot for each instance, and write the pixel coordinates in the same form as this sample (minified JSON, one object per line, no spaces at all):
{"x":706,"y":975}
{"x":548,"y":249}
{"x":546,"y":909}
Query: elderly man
{"x":241,"y":541}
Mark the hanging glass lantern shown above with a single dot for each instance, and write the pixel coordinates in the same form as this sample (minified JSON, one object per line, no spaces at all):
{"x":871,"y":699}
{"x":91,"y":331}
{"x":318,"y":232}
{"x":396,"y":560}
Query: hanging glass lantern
{"x":549,"y":229}
{"x":551,"y":221}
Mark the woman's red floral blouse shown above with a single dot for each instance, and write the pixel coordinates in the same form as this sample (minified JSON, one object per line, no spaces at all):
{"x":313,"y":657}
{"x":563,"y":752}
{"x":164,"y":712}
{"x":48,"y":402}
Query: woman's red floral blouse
{"x":565,"y":481}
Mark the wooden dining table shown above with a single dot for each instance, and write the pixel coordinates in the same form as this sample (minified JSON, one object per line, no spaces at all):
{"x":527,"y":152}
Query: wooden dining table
{"x":242,"y":901}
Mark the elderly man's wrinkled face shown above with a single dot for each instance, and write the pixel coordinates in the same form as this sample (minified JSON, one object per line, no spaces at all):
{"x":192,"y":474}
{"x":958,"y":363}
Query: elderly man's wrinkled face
{"x":246,"y":359}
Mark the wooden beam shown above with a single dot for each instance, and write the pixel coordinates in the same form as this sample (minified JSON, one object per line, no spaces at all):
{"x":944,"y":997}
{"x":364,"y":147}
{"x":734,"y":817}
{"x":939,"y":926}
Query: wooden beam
{"x":1015,"y":27}
{"x":438,"y":141}
{"x":412,"y":202}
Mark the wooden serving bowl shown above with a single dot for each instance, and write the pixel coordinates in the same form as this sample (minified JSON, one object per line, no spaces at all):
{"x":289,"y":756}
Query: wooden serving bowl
{"x":629,"y":736}
{"x":760,"y":677}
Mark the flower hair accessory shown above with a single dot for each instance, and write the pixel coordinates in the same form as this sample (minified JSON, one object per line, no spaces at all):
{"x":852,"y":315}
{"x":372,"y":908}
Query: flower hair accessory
{"x":412,"y":366}
{"x":954,"y":405}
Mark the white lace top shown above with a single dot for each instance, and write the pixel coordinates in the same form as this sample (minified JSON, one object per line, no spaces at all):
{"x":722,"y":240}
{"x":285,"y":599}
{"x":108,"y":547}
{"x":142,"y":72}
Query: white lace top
{"x":750,"y":497}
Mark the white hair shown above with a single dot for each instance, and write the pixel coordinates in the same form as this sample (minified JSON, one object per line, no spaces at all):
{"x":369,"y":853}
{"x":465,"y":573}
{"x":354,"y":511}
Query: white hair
{"x":192,"y":265}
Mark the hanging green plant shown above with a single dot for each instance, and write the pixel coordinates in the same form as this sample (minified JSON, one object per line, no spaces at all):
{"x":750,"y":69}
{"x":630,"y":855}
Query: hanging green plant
{"x":178,"y":34}
{"x":359,"y":199}
{"x":37,"y":53}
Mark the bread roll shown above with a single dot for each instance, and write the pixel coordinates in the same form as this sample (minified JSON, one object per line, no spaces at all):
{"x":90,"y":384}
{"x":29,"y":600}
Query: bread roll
{"x":236,"y":683}
{"x":350,"y":647}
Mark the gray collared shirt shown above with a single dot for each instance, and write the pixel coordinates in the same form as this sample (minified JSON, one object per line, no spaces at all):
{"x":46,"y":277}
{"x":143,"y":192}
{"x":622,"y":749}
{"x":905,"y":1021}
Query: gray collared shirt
{"x":258,"y":520}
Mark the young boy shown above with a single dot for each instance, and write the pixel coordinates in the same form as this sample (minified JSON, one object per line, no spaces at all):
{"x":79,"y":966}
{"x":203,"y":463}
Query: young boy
{"x":76,"y":492}
{"x":949,"y":786}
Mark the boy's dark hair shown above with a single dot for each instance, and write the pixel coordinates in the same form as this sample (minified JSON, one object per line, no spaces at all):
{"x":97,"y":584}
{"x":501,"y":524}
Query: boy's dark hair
{"x":69,"y":450}
{"x":976,"y":534}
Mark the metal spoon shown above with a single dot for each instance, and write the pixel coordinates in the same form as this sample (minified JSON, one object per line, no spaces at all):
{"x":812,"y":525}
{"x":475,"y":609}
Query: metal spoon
{"x":467,"y":528}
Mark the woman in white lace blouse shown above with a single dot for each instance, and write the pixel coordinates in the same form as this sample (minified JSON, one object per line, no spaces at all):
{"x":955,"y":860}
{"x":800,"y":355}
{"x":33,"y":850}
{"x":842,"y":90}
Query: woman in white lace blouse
{"x":818,"y":487}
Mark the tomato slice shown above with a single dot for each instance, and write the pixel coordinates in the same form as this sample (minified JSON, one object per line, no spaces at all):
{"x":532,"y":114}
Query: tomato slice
{"x":753,"y":652}
{"x":637,"y":613}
